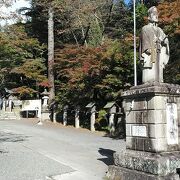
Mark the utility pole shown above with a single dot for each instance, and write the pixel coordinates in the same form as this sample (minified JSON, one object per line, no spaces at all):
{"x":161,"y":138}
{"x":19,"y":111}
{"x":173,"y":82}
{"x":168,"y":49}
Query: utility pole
{"x":135,"y":66}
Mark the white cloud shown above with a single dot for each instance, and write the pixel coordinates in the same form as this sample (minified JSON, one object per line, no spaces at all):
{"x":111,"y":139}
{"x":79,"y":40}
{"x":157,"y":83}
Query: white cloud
{"x":6,"y":11}
{"x":21,"y":3}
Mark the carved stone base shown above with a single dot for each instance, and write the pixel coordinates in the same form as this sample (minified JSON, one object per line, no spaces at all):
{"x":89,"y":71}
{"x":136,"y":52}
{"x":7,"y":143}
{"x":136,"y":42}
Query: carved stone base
{"x":119,"y":173}
{"x":137,"y":165}
{"x":45,"y":116}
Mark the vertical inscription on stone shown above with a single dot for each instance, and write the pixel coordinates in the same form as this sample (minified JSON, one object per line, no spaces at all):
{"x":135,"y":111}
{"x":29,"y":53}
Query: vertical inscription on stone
{"x":139,"y":131}
{"x":172,"y":124}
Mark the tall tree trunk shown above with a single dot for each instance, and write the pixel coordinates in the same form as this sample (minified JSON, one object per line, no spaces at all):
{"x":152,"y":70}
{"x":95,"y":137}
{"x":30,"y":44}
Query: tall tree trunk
{"x":51,"y":54}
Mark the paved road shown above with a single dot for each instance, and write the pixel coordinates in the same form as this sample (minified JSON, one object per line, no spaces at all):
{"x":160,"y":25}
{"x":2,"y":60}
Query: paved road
{"x":32,"y":152}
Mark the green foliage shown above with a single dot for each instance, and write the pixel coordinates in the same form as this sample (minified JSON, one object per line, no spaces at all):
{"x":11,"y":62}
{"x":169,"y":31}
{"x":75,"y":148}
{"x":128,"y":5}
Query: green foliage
{"x":118,"y":22}
{"x":21,"y":61}
{"x":25,"y":92}
{"x":101,"y":116}
{"x":95,"y":34}
{"x":101,"y":121}
{"x":169,"y":20}
{"x":32,"y":69}
{"x":141,"y":12}
{"x":117,"y":70}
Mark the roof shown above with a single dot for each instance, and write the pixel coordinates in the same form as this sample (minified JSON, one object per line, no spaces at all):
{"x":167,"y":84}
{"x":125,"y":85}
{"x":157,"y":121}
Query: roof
{"x":8,"y":91}
{"x":90,"y":105}
{"x":109,"y":104}
{"x":45,"y":92}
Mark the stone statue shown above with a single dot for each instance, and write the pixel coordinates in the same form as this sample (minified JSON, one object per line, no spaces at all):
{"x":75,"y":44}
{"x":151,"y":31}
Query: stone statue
{"x":154,"y":49}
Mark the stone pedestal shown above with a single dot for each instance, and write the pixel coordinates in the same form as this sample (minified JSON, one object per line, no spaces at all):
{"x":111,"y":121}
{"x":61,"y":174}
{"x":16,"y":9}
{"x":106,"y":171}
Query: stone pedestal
{"x":152,"y":137}
{"x":45,"y":115}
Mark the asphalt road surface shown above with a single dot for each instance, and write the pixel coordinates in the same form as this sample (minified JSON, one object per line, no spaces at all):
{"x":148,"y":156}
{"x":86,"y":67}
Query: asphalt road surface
{"x":53,"y":152}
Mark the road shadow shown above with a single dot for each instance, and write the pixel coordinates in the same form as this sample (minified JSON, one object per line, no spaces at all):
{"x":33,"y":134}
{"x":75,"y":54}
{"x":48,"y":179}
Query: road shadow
{"x":11,"y":137}
{"x":115,"y":136}
{"x":2,"y":152}
{"x":108,"y":156}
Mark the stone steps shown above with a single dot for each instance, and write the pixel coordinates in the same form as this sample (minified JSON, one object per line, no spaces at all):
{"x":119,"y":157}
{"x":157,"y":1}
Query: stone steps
{"x":5,"y":115}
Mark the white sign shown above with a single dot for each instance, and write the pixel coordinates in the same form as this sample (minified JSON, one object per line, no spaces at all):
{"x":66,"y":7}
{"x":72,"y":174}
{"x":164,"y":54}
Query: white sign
{"x":172,"y":123}
{"x":32,"y":105}
{"x":140,"y":131}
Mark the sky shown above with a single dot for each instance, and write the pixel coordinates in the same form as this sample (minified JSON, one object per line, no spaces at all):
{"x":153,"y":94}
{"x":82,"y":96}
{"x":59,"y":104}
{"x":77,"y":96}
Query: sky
{"x":6,"y":11}
{"x":127,"y":1}
{"x":18,"y":4}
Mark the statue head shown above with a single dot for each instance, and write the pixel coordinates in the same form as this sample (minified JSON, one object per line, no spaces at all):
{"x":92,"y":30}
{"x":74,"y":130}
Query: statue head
{"x":153,"y":14}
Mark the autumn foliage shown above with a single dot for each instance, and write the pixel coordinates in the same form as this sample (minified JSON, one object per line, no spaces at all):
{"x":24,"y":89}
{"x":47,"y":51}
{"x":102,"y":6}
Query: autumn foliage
{"x":93,"y":73}
{"x":93,"y":48}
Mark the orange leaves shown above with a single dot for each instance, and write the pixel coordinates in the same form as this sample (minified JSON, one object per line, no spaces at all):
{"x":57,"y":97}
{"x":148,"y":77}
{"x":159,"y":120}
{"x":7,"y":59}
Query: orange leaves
{"x":74,"y":64}
{"x":169,"y":11}
{"x":32,"y":69}
{"x":170,"y":14}
{"x":44,"y":83}
{"x":86,"y":67}
{"x":24,"y":90}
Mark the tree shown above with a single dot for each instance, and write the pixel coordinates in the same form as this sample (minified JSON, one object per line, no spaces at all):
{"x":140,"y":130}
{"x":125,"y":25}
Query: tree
{"x":118,"y":22}
{"x":51,"y":53}
{"x":94,"y":24}
{"x":84,"y":18}
{"x":49,"y":8}
{"x":21,"y":61}
{"x":93,"y":74}
{"x":169,"y":20}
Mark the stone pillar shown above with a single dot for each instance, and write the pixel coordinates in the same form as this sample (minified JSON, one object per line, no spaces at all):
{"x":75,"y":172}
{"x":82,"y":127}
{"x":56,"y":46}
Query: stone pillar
{"x":92,"y":110}
{"x":10,"y":105}
{"x":65,"y":115}
{"x":4,"y":105}
{"x":152,"y":135}
{"x":77,"y":118}
{"x":93,"y":120}
{"x":45,"y":112}
{"x":65,"y":118}
{"x":111,"y":123}
{"x":54,"y":117}
{"x":45,"y":101}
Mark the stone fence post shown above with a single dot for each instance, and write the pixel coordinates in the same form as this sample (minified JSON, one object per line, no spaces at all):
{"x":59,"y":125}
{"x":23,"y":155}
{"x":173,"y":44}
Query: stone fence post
{"x":65,"y":109}
{"x":77,"y":111}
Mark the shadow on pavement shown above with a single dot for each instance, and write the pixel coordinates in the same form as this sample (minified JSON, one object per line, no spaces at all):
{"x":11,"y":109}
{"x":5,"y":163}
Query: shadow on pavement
{"x":108,"y":159}
{"x":11,"y":137}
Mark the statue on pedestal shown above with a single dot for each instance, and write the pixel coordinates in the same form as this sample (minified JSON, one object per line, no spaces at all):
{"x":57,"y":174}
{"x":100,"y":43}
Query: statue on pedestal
{"x":152,"y":116}
{"x":154,"y":49}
